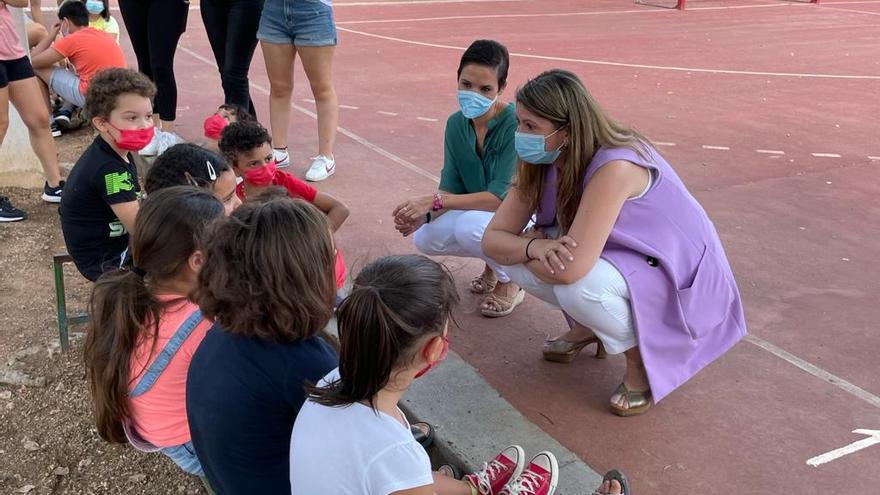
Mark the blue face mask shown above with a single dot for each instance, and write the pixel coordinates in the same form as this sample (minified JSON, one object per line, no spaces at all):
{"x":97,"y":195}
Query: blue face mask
{"x":472,"y":104}
{"x":530,"y":148}
{"x":94,"y":6}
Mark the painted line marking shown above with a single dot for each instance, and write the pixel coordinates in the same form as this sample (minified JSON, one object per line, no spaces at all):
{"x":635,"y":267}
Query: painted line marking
{"x":852,"y":11}
{"x":873,"y":439}
{"x":427,"y":119}
{"x":663,"y":143}
{"x":345,"y":132}
{"x":825,"y":155}
{"x":816,"y":371}
{"x":770,"y":152}
{"x":763,"y":344}
{"x":622,"y":64}
{"x":874,"y":158}
{"x":349,"y":107}
{"x":309,"y":100}
{"x":390,"y":114}
{"x":711,"y":147}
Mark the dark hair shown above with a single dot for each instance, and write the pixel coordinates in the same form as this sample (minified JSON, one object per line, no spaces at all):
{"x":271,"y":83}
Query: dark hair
{"x":488,"y":53}
{"x":241,"y":113}
{"x":109,"y":84}
{"x":268,"y":271}
{"x":395,"y":301}
{"x":185,"y":164}
{"x":75,"y":12}
{"x":167,"y":230}
{"x":242,"y":137}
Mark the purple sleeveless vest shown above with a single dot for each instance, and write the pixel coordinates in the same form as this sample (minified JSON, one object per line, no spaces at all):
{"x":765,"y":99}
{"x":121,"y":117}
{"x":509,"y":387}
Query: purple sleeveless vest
{"x":685,"y":304}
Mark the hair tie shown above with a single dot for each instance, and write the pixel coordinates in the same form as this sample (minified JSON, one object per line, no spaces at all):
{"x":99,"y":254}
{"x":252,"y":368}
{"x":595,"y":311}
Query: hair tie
{"x":138,"y":271}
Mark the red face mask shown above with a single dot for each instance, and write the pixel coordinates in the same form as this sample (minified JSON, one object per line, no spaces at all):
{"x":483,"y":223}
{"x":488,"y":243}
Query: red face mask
{"x":261,"y":176}
{"x":214,"y":125}
{"x":440,"y":359}
{"x":133,"y":139}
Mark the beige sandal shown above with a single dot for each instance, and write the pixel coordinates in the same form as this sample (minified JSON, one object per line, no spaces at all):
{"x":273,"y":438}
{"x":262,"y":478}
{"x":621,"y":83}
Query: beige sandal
{"x":637,"y":402}
{"x":507,"y":304}
{"x":480,"y":285}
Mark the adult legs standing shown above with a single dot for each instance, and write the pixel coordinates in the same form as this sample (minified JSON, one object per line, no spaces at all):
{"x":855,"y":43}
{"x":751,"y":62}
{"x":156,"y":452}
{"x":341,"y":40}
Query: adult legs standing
{"x":26,"y":96}
{"x":232,"y":31}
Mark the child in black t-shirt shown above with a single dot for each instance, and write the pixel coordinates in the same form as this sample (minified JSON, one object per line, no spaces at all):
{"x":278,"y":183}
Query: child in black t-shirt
{"x":101,"y":196}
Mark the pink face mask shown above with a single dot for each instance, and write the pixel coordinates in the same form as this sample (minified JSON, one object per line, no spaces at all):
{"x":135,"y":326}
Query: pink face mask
{"x":133,"y":139}
{"x":214,"y":125}
{"x":439,"y":360}
{"x":261,"y":176}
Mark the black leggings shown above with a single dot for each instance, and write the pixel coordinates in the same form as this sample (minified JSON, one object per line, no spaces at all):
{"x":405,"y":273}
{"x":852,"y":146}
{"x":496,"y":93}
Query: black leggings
{"x":154,"y":27}
{"x":232,"y":30}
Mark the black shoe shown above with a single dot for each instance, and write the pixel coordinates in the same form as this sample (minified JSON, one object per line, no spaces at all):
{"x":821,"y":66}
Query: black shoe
{"x":56,"y":132}
{"x":9,"y":213}
{"x":62,"y":117}
{"x":52,"y":194}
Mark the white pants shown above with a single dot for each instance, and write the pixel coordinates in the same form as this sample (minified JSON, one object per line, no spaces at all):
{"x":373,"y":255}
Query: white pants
{"x":598,"y":301}
{"x":458,"y":233}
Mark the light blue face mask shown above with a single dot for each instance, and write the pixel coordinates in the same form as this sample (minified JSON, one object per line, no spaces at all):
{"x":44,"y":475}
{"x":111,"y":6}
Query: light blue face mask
{"x":94,"y":6}
{"x":530,"y":148}
{"x":472,"y":104}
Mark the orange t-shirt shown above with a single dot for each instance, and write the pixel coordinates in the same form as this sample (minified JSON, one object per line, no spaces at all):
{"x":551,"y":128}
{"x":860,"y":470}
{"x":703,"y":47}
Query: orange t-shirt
{"x":90,"y":51}
{"x":159,"y":414}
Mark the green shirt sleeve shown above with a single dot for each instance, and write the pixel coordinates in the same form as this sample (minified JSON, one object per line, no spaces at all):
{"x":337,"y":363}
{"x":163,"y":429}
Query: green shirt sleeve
{"x":504,"y":167}
{"x":450,"y":177}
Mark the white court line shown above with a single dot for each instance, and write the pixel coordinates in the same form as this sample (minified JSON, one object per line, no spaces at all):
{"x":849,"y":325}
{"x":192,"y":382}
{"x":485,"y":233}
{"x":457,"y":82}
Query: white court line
{"x":825,"y":155}
{"x":711,"y":147}
{"x":823,"y":7}
{"x":390,"y":114}
{"x":349,"y":107}
{"x":309,"y":100}
{"x":622,"y":64}
{"x":345,"y":132}
{"x":815,"y":371}
{"x":777,"y":351}
{"x":873,"y":439}
{"x":427,"y":119}
{"x":662,"y":143}
{"x":770,"y":152}
{"x":874,"y":158}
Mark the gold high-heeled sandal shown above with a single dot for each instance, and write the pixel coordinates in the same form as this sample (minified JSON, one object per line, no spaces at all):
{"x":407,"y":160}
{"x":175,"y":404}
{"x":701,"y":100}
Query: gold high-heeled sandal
{"x":637,"y":402}
{"x":563,"y":351}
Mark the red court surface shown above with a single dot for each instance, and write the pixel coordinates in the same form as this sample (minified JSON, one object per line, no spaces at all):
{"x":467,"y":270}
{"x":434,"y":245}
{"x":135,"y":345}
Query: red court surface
{"x":767,"y":109}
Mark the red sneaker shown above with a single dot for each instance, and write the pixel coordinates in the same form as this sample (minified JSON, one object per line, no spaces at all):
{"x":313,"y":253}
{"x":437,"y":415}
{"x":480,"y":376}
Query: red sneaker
{"x":539,"y":478}
{"x":496,"y":474}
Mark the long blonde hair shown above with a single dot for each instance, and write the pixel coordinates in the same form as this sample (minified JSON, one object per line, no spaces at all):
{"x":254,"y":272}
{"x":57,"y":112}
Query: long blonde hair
{"x":560,"y":97}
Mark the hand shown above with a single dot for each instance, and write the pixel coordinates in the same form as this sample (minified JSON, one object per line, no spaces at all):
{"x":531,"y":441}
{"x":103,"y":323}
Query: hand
{"x":414,"y":208}
{"x":407,"y":227}
{"x":553,"y":253}
{"x":533,"y":232}
{"x":56,"y":28}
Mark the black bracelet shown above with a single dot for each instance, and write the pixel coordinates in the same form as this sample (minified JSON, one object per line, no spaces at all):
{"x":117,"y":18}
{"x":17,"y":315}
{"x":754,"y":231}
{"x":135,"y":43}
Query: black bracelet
{"x":528,"y":245}
{"x":428,"y":217}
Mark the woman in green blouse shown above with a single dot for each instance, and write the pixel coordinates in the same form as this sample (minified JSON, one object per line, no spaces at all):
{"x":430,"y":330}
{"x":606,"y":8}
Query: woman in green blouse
{"x":479,"y":160}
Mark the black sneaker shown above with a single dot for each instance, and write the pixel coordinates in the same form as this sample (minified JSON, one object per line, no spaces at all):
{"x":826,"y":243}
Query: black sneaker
{"x":9,"y":213}
{"x":52,"y":194}
{"x":56,"y":132}
{"x":62,"y":117}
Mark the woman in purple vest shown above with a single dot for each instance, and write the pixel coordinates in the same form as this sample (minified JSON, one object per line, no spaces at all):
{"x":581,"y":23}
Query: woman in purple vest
{"x":619,"y":245}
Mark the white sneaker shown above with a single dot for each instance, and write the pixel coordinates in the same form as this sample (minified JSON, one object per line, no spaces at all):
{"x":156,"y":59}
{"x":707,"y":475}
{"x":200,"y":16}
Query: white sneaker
{"x":281,"y":156}
{"x":161,"y":141}
{"x":322,"y":168}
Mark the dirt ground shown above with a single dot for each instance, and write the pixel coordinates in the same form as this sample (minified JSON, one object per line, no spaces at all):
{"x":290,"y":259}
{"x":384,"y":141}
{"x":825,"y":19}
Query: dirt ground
{"x":48,"y":442}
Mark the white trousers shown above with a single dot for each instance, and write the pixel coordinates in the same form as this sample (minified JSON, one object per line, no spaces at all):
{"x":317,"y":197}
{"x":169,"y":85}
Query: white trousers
{"x":598,"y":301}
{"x":458,"y":233}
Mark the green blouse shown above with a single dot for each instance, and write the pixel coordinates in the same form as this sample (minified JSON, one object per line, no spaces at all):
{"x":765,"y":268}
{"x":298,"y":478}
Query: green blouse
{"x":466,"y":172}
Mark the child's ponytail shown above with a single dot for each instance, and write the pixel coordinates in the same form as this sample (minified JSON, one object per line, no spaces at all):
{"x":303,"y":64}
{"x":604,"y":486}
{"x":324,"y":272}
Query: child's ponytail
{"x":120,"y":304}
{"x":395,"y":301}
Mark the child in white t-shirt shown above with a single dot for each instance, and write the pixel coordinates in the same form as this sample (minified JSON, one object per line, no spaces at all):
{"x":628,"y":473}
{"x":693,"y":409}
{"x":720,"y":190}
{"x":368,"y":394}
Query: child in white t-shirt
{"x":350,"y":436}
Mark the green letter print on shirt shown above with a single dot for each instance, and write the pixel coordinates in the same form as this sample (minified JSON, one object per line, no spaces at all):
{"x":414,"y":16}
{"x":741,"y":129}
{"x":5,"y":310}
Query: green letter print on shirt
{"x":116,"y":229}
{"x":117,"y":182}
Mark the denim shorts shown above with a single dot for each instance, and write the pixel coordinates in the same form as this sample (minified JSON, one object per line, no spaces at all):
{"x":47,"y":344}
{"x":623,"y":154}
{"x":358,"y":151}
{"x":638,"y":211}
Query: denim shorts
{"x":185,"y":458}
{"x":298,"y":23}
{"x":66,"y":85}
